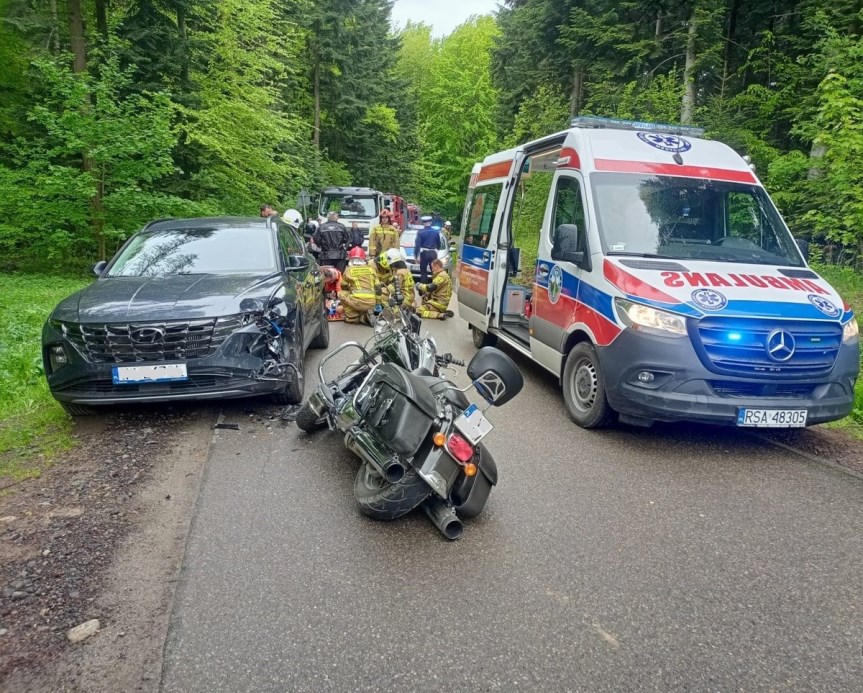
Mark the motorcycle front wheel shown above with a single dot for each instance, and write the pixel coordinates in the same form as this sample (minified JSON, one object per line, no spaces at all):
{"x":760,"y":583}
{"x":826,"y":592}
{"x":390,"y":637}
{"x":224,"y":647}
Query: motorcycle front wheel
{"x":307,"y":420}
{"x":382,"y":500}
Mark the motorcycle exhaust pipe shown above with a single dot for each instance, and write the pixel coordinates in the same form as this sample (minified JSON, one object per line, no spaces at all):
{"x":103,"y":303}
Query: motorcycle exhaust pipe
{"x":368,"y":449}
{"x":444,"y":518}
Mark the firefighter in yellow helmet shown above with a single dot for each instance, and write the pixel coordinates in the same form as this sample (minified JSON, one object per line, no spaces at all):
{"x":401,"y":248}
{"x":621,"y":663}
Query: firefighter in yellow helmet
{"x":399,"y":271}
{"x":384,"y":236}
{"x":435,"y":295}
{"x":358,"y":288}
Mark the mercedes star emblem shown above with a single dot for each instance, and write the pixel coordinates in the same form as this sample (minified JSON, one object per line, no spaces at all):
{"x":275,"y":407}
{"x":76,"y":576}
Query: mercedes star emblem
{"x":780,"y":345}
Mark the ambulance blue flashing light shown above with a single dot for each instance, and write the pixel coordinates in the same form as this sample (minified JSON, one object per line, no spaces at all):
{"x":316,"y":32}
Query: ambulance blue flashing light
{"x":617,"y":124}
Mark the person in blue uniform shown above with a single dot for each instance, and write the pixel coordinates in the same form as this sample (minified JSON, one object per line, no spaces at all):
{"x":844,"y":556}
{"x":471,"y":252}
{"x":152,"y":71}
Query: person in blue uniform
{"x":426,"y":248}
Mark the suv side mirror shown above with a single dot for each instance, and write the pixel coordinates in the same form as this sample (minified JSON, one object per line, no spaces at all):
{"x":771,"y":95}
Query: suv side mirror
{"x":495,"y":376}
{"x":565,"y":244}
{"x":803,"y":245}
{"x":99,"y":267}
{"x":298,"y":262}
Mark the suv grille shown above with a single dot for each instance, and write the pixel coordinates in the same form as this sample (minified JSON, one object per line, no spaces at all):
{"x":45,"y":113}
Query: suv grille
{"x":173,"y":340}
{"x":741,"y":346}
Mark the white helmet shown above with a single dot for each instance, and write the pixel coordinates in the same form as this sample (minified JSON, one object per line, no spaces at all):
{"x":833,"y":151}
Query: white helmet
{"x":293,"y":218}
{"x":394,"y":255}
{"x":447,"y":224}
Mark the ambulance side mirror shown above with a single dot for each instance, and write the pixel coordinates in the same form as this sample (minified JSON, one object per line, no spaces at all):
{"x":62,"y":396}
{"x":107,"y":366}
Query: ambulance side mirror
{"x":803,"y":245}
{"x":565,"y":245}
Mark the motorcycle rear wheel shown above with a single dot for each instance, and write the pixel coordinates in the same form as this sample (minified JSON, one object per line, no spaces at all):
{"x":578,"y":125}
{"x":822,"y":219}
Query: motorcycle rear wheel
{"x":382,"y":500}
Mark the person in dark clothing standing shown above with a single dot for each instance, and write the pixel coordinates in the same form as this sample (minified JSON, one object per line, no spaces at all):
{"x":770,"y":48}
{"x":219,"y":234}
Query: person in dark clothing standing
{"x":426,"y":248}
{"x":357,"y":237}
{"x":334,"y":240}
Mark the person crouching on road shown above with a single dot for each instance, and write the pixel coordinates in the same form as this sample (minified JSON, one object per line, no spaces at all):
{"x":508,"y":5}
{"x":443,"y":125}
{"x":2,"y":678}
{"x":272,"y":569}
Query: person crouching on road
{"x":358,"y":288}
{"x":426,"y":249}
{"x":384,"y":236}
{"x":435,"y":295}
{"x":400,"y":272}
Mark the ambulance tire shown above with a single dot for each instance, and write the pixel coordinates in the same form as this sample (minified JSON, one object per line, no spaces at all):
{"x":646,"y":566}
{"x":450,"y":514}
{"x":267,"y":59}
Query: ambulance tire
{"x":584,"y":388}
{"x":482,"y":339}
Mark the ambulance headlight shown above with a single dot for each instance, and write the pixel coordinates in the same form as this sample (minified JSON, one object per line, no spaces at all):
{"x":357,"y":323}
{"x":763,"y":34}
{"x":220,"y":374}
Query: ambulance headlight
{"x":851,"y":331}
{"x":640,"y":317}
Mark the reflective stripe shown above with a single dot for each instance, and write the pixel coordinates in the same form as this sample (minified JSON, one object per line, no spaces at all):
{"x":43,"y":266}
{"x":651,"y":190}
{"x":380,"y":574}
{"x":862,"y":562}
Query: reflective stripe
{"x":362,"y":294}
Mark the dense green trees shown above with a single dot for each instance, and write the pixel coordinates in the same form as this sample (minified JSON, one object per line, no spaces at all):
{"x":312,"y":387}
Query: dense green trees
{"x":114,"y":113}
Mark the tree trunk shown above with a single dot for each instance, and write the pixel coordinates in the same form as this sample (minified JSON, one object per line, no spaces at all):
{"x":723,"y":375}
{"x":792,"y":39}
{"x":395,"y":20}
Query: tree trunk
{"x":184,"y":59}
{"x":688,"y":105}
{"x":102,"y":18}
{"x":317,"y":87}
{"x":729,"y":37}
{"x":76,"y":36}
{"x":575,"y":96}
{"x":54,"y":37}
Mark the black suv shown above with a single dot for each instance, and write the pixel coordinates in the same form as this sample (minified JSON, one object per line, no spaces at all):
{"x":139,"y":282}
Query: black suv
{"x":190,"y":309}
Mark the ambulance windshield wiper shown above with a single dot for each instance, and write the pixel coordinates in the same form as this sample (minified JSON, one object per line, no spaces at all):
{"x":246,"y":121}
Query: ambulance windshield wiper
{"x":624,"y":252}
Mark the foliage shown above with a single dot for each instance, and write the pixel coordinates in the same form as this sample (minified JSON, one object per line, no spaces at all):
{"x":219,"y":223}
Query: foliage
{"x":30,"y":420}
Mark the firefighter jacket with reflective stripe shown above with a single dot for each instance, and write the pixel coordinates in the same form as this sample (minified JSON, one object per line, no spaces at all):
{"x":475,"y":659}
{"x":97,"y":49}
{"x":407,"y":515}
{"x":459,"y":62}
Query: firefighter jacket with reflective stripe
{"x":360,"y":280}
{"x":383,"y":238}
{"x":439,"y":290}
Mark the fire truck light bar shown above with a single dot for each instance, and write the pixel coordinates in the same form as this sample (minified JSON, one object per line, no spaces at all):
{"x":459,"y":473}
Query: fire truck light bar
{"x":615,"y":124}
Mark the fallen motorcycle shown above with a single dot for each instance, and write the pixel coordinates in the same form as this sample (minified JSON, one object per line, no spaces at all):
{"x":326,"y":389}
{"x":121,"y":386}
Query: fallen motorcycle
{"x":418,"y":436}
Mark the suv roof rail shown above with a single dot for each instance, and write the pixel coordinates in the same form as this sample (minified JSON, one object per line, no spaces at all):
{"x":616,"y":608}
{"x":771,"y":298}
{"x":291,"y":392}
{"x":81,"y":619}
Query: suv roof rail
{"x":618,"y":124}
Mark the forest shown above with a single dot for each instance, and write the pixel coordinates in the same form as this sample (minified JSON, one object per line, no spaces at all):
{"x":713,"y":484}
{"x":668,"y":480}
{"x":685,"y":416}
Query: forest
{"x":116,"y":112}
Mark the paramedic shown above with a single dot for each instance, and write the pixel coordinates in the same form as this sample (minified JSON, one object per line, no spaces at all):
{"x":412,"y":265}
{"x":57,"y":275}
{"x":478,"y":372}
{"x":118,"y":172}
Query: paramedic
{"x":435,"y":296}
{"x":358,"y":288}
{"x":426,"y":249}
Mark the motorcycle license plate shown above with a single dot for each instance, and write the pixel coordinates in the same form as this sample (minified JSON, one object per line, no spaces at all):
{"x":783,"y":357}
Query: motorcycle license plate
{"x":771,"y":418}
{"x":473,"y":425}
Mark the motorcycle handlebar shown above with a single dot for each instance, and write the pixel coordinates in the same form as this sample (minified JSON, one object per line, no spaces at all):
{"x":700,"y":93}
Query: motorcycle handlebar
{"x":447,"y":359}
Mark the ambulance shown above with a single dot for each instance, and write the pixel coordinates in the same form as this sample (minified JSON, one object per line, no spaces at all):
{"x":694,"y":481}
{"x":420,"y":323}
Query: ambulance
{"x":649,"y":270}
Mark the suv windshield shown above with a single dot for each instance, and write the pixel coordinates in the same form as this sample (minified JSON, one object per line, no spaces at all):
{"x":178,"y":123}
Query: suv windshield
{"x":202,"y":250}
{"x":349,"y":206}
{"x":690,"y":218}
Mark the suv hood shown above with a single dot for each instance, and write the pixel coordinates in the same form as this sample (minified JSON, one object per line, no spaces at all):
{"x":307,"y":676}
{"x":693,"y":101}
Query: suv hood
{"x":179,"y":297}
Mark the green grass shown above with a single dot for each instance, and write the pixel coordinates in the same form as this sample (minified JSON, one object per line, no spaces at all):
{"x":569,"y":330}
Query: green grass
{"x":849,"y":284}
{"x":33,"y":427}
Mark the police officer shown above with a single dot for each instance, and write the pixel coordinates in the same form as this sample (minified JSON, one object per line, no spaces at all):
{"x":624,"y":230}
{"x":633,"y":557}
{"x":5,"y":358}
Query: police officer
{"x":333,"y":239}
{"x":427,"y":246}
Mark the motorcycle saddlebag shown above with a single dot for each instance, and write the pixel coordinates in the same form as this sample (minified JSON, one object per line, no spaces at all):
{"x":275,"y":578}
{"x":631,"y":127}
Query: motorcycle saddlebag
{"x":398,"y":409}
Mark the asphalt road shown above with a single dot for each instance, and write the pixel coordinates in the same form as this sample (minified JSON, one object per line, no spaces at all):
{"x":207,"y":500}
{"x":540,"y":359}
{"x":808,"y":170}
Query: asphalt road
{"x":681,"y":558}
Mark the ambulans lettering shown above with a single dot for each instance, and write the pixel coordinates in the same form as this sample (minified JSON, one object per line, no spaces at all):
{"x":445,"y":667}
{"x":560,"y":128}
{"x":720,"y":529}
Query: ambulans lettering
{"x":679,"y":280}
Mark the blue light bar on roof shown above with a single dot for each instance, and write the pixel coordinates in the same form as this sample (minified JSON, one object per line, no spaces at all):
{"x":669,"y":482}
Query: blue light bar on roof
{"x":616,"y":124}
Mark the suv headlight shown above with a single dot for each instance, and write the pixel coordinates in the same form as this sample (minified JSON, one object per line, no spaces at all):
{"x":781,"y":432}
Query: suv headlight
{"x":640,"y":317}
{"x":57,"y":357}
{"x":851,"y":330}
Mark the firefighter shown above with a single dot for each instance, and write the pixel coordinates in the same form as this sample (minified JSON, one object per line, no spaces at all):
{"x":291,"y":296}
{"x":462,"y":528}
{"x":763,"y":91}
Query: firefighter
{"x":399,"y":268}
{"x":358,"y":288}
{"x":384,"y":236}
{"x":435,"y":295}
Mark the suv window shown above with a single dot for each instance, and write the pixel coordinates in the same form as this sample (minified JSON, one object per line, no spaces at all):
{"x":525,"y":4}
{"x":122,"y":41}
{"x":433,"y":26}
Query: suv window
{"x":289,"y":242}
{"x":480,"y":217}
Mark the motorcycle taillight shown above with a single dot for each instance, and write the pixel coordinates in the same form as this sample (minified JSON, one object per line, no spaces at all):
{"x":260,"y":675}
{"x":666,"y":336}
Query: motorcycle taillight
{"x":459,"y":448}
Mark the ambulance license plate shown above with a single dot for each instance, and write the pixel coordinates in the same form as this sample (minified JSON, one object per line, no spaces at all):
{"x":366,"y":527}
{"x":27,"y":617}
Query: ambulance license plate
{"x":771,"y":418}
{"x":473,"y":425}
{"x":163,"y":373}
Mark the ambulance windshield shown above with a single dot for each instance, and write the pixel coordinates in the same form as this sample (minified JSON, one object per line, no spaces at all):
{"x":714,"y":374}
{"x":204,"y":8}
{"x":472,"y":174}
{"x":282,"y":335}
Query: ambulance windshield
{"x":690,"y":218}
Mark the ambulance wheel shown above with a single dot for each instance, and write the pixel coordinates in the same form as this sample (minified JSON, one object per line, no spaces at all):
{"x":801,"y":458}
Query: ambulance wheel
{"x":482,"y":339}
{"x":584,"y":388}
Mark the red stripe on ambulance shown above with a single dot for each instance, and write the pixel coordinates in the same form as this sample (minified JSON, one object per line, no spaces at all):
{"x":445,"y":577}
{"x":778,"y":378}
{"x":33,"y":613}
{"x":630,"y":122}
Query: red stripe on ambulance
{"x":498,"y":170}
{"x":633,"y":286}
{"x":620,"y":166}
{"x":569,"y":311}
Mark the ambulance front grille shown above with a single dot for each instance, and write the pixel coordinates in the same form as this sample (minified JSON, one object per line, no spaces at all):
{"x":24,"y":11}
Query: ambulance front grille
{"x":742,"y":346}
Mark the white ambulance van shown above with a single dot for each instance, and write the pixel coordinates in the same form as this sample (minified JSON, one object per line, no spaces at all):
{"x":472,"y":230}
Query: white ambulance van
{"x":649,"y":270}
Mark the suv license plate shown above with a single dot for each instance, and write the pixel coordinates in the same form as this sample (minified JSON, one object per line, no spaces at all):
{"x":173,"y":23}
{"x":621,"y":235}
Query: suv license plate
{"x":771,"y":418}
{"x":163,"y":373}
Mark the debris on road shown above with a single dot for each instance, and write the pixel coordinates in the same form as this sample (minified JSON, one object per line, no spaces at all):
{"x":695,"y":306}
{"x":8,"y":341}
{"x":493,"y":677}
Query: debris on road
{"x":228,"y":425}
{"x":289,"y":413}
{"x":83,"y":631}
